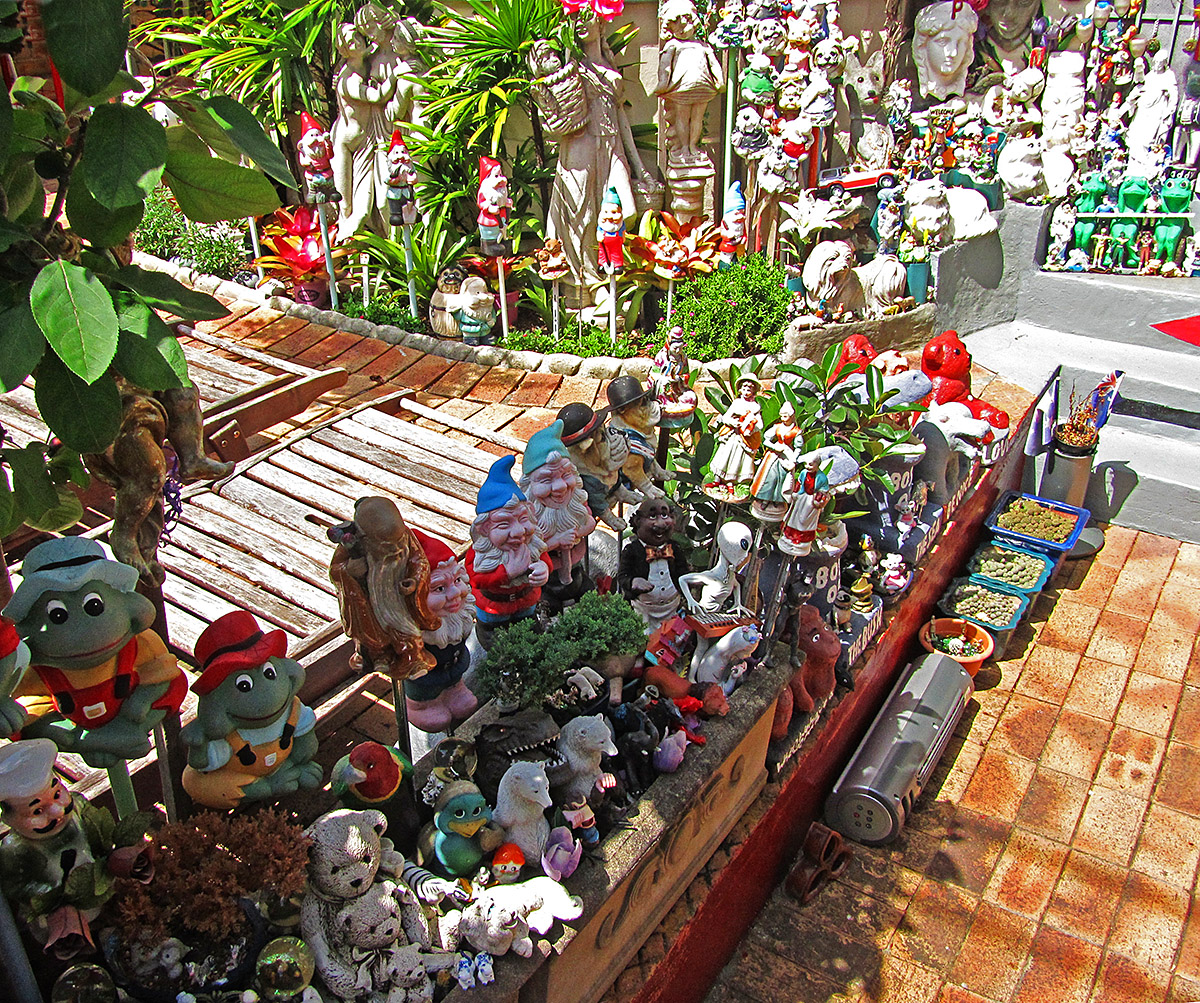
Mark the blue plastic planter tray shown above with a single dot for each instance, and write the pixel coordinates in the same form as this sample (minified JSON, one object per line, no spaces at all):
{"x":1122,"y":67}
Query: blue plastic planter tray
{"x":1002,"y":633}
{"x":1047,"y":569}
{"x":1032,"y":542}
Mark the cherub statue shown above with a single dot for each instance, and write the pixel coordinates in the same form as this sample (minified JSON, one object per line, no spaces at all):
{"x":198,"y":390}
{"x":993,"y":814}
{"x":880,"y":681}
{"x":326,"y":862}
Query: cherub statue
{"x":689,"y":77}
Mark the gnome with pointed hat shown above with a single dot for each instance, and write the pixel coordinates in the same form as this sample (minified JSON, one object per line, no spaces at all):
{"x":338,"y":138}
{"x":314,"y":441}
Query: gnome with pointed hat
{"x":493,"y":204}
{"x":610,"y":233}
{"x":439,"y":700}
{"x":315,"y":151}
{"x":733,"y":226}
{"x":402,"y":180}
{"x":560,"y":503}
{"x":507,"y":563}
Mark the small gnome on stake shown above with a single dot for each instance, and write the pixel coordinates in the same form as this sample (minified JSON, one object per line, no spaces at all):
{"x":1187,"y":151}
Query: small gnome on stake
{"x":315,"y":151}
{"x":610,"y":233}
{"x":402,"y":180}
{"x":733,"y":226}
{"x":493,"y":204}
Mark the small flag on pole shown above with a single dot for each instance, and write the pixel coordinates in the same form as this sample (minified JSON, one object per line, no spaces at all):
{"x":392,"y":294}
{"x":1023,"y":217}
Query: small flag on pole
{"x":1105,"y":396}
{"x":1041,"y":426}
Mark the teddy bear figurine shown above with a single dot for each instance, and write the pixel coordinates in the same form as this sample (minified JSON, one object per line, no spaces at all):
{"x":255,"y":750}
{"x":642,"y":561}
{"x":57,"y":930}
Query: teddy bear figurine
{"x":100,"y":679}
{"x":252,"y":738}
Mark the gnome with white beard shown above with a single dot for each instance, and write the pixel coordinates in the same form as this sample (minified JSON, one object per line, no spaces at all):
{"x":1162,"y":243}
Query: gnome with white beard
{"x":556,"y":492}
{"x":440,"y":699}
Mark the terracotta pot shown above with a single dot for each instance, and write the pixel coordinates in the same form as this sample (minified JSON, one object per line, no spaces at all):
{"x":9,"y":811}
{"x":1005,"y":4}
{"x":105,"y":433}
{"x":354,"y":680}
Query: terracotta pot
{"x":952,"y":627}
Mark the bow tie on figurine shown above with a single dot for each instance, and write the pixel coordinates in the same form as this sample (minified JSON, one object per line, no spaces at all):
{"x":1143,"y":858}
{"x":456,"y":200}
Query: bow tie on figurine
{"x":663,"y":553}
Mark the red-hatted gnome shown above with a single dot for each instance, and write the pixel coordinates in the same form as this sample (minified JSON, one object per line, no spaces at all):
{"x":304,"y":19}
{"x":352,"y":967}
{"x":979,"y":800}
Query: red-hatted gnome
{"x":946,"y":361}
{"x":402,"y":180}
{"x":493,"y":204}
{"x":439,"y":699}
{"x":560,"y":503}
{"x":507,"y":562}
{"x":610,"y":233}
{"x":315,"y":152}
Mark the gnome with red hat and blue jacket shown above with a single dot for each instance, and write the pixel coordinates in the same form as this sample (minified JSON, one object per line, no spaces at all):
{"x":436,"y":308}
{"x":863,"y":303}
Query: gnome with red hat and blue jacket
{"x":610,"y":233}
{"x":401,"y":186}
{"x":252,"y":739}
{"x":493,"y":204}
{"x":507,"y":563}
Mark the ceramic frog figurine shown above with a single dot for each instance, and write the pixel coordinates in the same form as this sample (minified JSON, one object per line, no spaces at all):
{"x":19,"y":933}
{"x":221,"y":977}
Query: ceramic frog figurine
{"x":1131,"y":198}
{"x":252,"y":738}
{"x":99,"y":679}
{"x":1176,"y":196}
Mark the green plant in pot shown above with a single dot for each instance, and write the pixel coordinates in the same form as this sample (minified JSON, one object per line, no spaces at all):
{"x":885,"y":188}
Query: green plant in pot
{"x":299,"y":258}
{"x":607,"y":634}
{"x":523,"y":666}
{"x":74,"y":312}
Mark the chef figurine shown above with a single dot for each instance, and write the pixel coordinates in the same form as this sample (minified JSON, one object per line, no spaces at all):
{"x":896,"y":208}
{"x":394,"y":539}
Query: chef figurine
{"x":610,"y":233}
{"x":493,"y":204}
{"x":650,"y":566}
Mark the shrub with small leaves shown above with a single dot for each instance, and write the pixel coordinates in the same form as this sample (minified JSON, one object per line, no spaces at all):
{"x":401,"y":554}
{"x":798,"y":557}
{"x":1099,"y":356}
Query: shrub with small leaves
{"x":522,"y":666}
{"x":602,"y":625}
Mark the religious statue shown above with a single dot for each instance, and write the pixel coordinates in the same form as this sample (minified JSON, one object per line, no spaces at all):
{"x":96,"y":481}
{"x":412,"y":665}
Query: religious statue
{"x":507,"y":563}
{"x":1008,"y":24}
{"x":560,"y":504}
{"x":942,"y":48}
{"x":381,"y":576}
{"x":740,"y":432}
{"x":1154,"y":103}
{"x":582,"y":105}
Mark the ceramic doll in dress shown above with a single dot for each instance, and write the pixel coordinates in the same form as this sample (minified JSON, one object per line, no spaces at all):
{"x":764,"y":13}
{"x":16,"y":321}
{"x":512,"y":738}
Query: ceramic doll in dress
{"x":650,"y":565}
{"x":740,"y":432}
{"x":772,"y":486}
{"x":809,"y":498}
{"x":689,"y":77}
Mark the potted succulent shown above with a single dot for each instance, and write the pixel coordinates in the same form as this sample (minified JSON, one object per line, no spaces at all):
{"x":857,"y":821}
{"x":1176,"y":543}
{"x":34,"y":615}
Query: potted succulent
{"x":967,"y":643}
{"x":607,"y":634}
{"x":199,"y":924}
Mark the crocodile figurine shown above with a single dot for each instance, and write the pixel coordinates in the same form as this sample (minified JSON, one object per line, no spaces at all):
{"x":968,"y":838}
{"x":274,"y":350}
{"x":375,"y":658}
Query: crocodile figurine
{"x":529,"y":735}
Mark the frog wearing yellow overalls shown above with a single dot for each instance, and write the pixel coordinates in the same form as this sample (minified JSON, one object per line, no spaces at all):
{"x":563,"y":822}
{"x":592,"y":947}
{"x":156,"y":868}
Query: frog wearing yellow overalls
{"x":99,"y":679}
{"x":252,"y":739}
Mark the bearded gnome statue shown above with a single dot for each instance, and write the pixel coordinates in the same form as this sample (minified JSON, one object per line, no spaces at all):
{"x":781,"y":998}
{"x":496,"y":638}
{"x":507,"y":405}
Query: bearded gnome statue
{"x":381,"y":575}
{"x":559,"y":500}
{"x":439,"y":700}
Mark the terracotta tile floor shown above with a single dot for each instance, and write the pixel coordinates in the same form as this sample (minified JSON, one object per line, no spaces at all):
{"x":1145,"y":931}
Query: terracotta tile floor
{"x":1054,"y":856}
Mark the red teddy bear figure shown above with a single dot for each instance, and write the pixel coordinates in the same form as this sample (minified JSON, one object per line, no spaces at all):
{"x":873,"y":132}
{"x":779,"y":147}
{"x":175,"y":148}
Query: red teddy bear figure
{"x":946,"y":361}
{"x":857,"y":354}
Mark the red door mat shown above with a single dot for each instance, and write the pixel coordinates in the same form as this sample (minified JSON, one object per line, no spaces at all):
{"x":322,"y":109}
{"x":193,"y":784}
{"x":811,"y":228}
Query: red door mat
{"x":1185,"y":329}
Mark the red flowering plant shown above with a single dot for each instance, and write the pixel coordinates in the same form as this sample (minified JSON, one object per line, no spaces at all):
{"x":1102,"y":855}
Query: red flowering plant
{"x":665,"y":249}
{"x":606,"y":10}
{"x":299,"y":254}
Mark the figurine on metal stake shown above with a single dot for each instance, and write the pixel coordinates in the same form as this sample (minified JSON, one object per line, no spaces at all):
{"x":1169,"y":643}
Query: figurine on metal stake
{"x":315,"y":150}
{"x":493,"y":204}
{"x":402,"y":205}
{"x":610,"y":236}
{"x":552,"y":266}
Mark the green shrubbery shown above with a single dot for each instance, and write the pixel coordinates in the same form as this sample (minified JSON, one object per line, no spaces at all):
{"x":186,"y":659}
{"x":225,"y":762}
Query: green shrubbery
{"x":589,"y":343}
{"x":213,"y":249}
{"x":733,"y":312}
{"x":391,"y":309}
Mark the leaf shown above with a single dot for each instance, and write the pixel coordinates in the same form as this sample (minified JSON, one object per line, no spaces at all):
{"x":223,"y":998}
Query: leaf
{"x":181,"y":139}
{"x":246,"y":133}
{"x":7,"y":505}
{"x":76,"y":314}
{"x":87,"y":40}
{"x":67,"y":468}
{"x":122,"y":83}
{"x":195,"y":114}
{"x":21,"y":345}
{"x":133,"y":828}
{"x":6,"y":126}
{"x":124,"y":155}
{"x":209,"y":190}
{"x":86,"y":416}
{"x":829,"y":362}
{"x":147,"y":353}
{"x":21,"y":183}
{"x":98,"y":225}
{"x":165,"y":293}
{"x":33,"y":491}
{"x":63,"y":515}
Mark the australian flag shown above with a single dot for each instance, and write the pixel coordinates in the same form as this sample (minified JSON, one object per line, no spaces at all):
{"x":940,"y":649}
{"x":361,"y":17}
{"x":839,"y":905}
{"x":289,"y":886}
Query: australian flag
{"x":1105,"y":396}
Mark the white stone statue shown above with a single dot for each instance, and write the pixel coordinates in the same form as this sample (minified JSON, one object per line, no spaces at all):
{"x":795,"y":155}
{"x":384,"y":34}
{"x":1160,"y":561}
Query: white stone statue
{"x":689,"y":77}
{"x":582,"y":104}
{"x":1153,"y":112}
{"x":1063,"y":99}
{"x":938,"y":215}
{"x":942,"y":48}
{"x":372,"y":98}
{"x":1020,"y":168}
{"x":1008,"y":24}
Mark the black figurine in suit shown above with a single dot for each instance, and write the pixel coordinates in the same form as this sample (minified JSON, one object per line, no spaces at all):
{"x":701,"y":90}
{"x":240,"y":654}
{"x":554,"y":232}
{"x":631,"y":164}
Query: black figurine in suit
{"x":650,"y":567}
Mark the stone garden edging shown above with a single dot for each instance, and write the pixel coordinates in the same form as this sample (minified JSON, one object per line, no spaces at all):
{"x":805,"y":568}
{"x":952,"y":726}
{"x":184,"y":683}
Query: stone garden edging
{"x":601,"y":367}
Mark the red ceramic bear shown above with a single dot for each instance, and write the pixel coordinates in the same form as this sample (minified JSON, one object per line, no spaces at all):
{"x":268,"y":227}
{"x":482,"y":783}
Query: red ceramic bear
{"x":857,"y":354}
{"x":946,"y":361}
{"x":815,"y":681}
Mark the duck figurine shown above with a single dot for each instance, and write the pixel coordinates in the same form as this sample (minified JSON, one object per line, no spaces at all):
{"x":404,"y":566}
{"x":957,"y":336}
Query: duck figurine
{"x":375,"y":776}
{"x":462,"y":831}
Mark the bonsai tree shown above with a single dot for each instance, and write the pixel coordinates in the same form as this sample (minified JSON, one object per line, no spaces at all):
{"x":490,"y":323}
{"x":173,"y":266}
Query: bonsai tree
{"x":605,"y":632}
{"x":74,"y":312}
{"x":524,"y":667}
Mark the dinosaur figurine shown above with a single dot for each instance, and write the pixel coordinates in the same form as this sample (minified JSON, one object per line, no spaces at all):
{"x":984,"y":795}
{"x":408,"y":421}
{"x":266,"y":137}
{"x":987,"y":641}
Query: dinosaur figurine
{"x":1095,"y":188}
{"x":1176,"y":196}
{"x":1131,"y":198}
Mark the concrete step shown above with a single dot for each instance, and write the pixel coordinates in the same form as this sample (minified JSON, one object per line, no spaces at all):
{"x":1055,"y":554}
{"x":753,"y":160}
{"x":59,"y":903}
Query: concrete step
{"x":1117,"y":308}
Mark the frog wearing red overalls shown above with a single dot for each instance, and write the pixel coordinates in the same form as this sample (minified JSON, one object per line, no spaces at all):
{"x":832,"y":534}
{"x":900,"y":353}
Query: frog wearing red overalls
{"x":99,"y":679}
{"x":252,"y":739}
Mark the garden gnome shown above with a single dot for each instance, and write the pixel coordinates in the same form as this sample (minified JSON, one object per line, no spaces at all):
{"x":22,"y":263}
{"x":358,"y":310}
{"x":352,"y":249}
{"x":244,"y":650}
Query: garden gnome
{"x":475,"y":312}
{"x":100,"y":679}
{"x":733,"y":226}
{"x":809,"y":499}
{"x":402,"y":179}
{"x":507,"y":563}
{"x":669,"y":376}
{"x":381,"y":576}
{"x":599,"y":455}
{"x":252,"y":739}
{"x":315,"y":152}
{"x":49,"y":838}
{"x":560,"y":504}
{"x":634,"y":414}
{"x":650,"y":565}
{"x":610,"y":234}
{"x":439,"y":700}
{"x":493,"y":204}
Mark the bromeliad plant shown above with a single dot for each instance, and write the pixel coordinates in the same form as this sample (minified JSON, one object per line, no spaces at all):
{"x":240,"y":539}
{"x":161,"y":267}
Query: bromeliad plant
{"x":299,"y":251}
{"x":74,"y":312}
{"x":665,"y":249}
